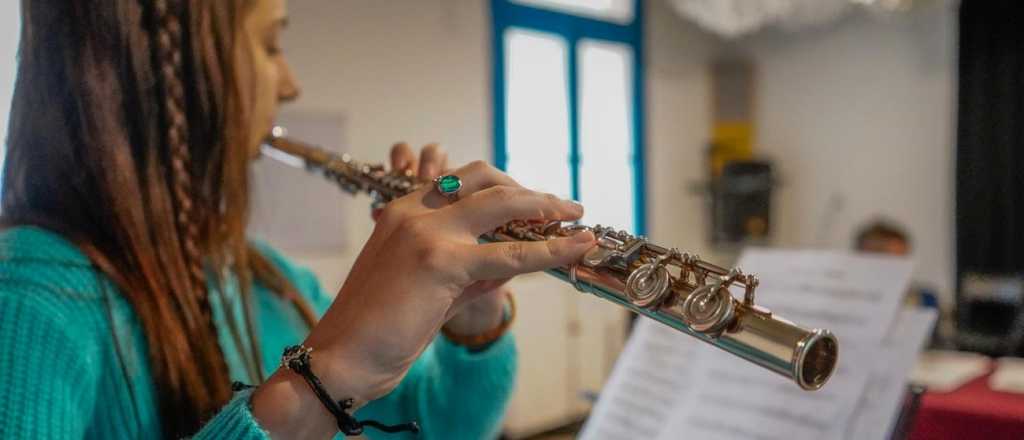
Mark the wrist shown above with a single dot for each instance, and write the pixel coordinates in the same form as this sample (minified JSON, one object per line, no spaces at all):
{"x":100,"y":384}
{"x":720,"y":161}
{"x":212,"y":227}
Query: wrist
{"x":286,"y":406}
{"x":478,"y":317}
{"x":346,"y":367}
{"x":483,"y":333}
{"x":349,"y":376}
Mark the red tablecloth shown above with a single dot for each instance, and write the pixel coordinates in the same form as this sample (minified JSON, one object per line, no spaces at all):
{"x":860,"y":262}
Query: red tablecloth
{"x":972,"y":411}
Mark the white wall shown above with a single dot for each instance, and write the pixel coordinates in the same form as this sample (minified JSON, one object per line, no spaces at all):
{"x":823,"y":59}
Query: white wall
{"x":400,"y":70}
{"x":413,"y":70}
{"x":861,"y":120}
{"x":678,"y":121}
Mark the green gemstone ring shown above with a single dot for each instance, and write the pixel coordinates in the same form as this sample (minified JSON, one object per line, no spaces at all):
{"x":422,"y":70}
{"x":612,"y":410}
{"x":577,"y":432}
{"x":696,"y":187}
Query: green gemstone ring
{"x":449,"y":186}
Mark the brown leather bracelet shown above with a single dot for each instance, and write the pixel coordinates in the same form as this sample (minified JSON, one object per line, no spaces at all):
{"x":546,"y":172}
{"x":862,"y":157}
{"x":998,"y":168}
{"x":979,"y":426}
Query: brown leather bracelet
{"x":481,"y":340}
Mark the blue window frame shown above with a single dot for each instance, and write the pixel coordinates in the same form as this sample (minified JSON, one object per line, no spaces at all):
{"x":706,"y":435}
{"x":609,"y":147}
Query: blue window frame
{"x":573,"y":28}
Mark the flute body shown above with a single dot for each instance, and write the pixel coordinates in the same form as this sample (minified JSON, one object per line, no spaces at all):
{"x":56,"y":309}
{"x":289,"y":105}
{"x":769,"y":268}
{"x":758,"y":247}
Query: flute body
{"x":675,"y":288}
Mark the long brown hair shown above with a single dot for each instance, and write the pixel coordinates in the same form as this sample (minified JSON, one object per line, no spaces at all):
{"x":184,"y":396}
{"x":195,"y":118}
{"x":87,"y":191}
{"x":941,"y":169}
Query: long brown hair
{"x":127,"y":136}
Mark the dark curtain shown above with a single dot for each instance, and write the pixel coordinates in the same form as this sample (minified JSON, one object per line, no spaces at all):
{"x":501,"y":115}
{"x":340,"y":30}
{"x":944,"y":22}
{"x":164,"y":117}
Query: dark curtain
{"x":990,"y":139}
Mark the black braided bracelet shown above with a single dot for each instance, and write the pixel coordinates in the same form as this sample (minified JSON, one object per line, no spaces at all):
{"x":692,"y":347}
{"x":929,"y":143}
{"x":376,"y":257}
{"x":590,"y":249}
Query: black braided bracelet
{"x":296,"y":358}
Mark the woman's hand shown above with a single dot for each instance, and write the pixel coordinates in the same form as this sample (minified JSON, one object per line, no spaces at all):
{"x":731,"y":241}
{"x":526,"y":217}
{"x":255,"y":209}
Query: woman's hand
{"x":414,"y":271}
{"x":410,"y":279}
{"x":484,"y":308}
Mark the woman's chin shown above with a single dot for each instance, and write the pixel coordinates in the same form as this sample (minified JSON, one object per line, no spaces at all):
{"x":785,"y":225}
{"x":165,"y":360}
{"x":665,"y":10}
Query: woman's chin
{"x":255,"y":151}
{"x":257,"y":137}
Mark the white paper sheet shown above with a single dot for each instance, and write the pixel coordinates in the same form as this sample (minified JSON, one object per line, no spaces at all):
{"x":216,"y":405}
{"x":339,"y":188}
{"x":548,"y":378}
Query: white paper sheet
{"x":880,"y":404}
{"x":738,"y":400}
{"x":714,"y":395}
{"x":652,"y":374}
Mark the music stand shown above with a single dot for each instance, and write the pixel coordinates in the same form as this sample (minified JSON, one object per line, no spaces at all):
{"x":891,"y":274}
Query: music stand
{"x":908,"y":413}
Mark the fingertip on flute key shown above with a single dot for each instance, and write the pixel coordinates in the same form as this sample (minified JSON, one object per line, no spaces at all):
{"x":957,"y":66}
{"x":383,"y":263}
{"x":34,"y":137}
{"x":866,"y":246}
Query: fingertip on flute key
{"x":582,"y":237}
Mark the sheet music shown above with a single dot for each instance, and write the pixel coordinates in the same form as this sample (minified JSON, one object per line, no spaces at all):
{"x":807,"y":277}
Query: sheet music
{"x":738,"y":400}
{"x":646,"y":383}
{"x":713,"y":395}
{"x":880,"y":405}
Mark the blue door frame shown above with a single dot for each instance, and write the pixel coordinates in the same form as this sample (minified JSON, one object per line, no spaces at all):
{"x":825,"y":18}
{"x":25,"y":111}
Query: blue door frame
{"x":506,"y":14}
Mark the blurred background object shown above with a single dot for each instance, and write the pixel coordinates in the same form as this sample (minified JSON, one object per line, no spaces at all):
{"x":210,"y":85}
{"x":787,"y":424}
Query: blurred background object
{"x":735,"y":18}
{"x":881,"y":236}
{"x":989,"y":314}
{"x":884,"y":237}
{"x":739,"y":186}
{"x":741,"y":204}
{"x":989,"y":178}
{"x":732,"y":109}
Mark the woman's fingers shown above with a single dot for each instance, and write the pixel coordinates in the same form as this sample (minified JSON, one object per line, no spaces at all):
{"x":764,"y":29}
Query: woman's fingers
{"x":403,"y":158}
{"x":485,"y":210}
{"x":493,"y":261}
{"x":433,"y":159}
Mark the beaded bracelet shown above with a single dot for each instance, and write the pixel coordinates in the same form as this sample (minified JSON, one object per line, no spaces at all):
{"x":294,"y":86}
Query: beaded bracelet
{"x":297,"y":358}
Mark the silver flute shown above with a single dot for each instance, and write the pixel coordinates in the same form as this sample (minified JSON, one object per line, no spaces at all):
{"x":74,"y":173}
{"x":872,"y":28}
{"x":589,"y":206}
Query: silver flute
{"x":672,"y":287}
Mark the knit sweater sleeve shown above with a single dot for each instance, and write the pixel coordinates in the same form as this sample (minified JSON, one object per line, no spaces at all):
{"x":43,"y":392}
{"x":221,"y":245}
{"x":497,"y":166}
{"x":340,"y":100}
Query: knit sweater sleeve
{"x":235,"y":421}
{"x":51,"y":364}
{"x":452,"y":393}
{"x":49,"y":371}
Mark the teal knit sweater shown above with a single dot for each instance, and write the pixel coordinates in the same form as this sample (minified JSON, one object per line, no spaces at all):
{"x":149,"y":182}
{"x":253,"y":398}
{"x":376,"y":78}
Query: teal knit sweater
{"x":61,"y":378}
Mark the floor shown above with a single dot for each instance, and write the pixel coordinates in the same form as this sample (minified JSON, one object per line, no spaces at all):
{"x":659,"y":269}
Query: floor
{"x":567,"y":432}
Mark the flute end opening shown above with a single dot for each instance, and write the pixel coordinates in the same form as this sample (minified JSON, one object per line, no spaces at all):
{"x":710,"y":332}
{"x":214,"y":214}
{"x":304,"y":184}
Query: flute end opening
{"x":818,"y":360}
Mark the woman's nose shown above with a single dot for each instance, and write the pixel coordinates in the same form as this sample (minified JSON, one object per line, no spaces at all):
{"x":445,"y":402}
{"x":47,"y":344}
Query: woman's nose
{"x":288,"y":89}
